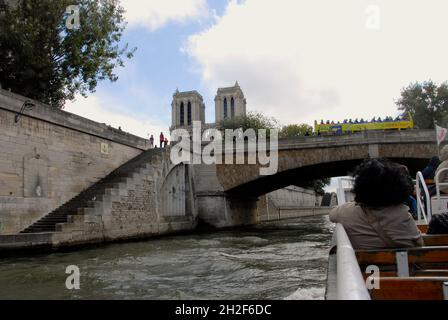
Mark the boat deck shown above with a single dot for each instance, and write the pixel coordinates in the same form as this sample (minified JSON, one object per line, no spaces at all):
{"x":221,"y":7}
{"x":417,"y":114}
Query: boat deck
{"x":404,"y":274}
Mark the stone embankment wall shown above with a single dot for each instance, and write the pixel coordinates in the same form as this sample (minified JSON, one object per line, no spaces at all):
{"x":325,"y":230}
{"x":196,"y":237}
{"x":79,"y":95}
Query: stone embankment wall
{"x":49,"y":156}
{"x":289,"y":203}
{"x":294,"y":197}
{"x":140,"y":206}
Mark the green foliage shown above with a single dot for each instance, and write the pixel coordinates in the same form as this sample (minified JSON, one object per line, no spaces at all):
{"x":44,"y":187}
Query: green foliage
{"x":257,"y":121}
{"x":44,"y":60}
{"x":427,"y":102}
{"x":295,"y":130}
{"x":253,"y":120}
{"x":316,"y":185}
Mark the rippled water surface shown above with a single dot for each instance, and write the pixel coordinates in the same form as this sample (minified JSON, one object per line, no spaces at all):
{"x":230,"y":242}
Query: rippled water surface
{"x":286,"y":260}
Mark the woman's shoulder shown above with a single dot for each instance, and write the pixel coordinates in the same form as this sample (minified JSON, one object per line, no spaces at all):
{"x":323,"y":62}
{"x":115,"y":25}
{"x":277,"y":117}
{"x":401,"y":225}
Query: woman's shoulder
{"x":396,"y":209}
{"x":343,"y":210}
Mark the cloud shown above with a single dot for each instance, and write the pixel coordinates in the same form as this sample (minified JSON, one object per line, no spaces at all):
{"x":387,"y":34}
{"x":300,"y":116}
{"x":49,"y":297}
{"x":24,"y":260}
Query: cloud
{"x":95,"y":109}
{"x":306,"y":60}
{"x":155,"y":14}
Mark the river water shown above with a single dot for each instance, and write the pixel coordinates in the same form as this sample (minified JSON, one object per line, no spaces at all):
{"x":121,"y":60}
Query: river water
{"x":285,"y":260}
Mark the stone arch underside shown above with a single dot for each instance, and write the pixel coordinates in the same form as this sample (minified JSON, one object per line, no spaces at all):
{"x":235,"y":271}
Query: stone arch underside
{"x":301,"y":165}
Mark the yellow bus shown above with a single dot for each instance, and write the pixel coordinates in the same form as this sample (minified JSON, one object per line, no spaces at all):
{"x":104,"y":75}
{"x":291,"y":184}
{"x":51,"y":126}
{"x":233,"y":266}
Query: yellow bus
{"x":341,"y":128}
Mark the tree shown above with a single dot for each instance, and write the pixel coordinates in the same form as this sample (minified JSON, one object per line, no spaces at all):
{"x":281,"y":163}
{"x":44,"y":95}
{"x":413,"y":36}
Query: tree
{"x":316,"y":185}
{"x":253,"y":120}
{"x":427,"y":102}
{"x":295,"y":130}
{"x":44,"y":59}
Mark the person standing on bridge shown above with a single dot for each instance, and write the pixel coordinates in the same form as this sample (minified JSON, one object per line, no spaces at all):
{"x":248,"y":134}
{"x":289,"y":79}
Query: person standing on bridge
{"x":151,"y":142}
{"x":162,"y":139}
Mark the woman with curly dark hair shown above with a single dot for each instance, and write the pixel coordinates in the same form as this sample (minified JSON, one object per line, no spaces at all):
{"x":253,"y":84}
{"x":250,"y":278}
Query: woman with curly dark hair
{"x":378,"y":218}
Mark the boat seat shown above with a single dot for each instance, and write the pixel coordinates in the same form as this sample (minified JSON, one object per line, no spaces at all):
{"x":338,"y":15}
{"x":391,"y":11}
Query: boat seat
{"x":384,"y":272}
{"x":422,"y":288}
{"x":435,"y":240}
{"x":436,"y":254}
{"x":405,"y":262}
{"x":423,"y":228}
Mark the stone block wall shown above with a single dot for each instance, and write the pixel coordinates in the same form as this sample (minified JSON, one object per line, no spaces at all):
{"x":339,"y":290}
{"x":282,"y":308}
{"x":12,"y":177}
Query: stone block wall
{"x":137,"y":207}
{"x":148,"y":208}
{"x":294,"y":197}
{"x":134,"y":207}
{"x":49,"y":156}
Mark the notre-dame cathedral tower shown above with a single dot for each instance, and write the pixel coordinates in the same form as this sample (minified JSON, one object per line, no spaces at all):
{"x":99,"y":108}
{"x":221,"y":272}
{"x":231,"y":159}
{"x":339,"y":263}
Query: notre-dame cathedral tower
{"x":189,"y":106}
{"x":229,"y":103}
{"x":186,"y":108}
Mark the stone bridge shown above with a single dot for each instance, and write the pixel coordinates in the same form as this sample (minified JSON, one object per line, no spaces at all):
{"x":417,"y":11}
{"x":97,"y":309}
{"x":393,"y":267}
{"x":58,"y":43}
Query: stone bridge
{"x":304,"y":159}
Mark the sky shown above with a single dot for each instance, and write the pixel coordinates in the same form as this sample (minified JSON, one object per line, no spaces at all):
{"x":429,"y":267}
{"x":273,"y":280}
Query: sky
{"x":295,"y":60}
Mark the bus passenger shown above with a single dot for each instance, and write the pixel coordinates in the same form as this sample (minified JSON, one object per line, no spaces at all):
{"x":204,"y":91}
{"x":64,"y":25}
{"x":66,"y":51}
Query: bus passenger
{"x":378,"y":218}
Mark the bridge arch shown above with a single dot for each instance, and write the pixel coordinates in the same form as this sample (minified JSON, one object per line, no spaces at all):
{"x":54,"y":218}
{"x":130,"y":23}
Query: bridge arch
{"x":307,"y":159}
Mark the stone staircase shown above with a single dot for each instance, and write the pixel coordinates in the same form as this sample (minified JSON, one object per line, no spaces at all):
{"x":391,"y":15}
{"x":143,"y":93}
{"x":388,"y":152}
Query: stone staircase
{"x":96,"y":199}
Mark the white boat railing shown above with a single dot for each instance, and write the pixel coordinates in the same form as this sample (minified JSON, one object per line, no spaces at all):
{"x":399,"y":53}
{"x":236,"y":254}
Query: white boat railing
{"x":341,"y":191}
{"x":438,"y":185}
{"x":350,"y":281}
{"x":423,"y":211}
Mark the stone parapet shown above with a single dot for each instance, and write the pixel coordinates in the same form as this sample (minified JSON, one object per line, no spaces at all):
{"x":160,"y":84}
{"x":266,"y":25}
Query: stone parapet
{"x":13,"y":103}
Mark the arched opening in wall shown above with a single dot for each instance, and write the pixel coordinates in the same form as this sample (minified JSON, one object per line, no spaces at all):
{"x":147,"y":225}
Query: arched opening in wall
{"x":225,"y":108}
{"x":182,"y":114}
{"x":189,"y":113}
{"x":174,"y":196}
{"x":232,"y":108}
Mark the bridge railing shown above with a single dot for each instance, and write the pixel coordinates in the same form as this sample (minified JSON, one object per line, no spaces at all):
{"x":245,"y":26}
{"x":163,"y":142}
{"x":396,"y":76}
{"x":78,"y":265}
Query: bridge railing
{"x":361,"y":138}
{"x":406,"y":136}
